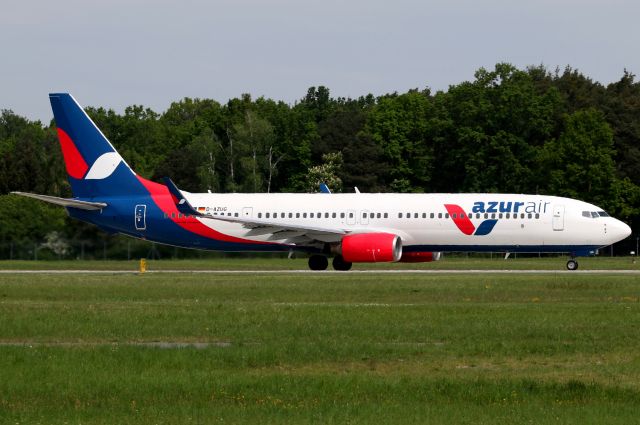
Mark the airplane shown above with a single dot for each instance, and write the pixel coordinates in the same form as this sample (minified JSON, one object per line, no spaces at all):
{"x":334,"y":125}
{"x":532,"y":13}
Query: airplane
{"x":350,"y":228}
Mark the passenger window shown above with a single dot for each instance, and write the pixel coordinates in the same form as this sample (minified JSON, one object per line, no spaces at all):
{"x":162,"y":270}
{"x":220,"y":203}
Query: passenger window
{"x":470,"y":215}
{"x":432,"y":215}
{"x":477,"y":215}
{"x":173,"y":215}
{"x":310,"y":215}
{"x":446,"y":215}
{"x":508,"y":215}
{"x":326,"y":215}
{"x":399,"y":215}
{"x":386,"y":215}
{"x":290,"y":215}
{"x":424,"y":215}
{"x":166,"y":215}
{"x":364,"y":215}
{"x":415,"y":215}
{"x":304,"y":215}
{"x":236,"y":214}
{"x":522,"y":215}
{"x":454,"y":215}
{"x":500,"y":215}
{"x":341,"y":215}
{"x":529,"y":216}
{"x":350,"y":215}
{"x":259,"y":215}
{"x":486,"y":215}
{"x":297,"y":215}
{"x":378,"y":215}
{"x":439,"y":215}
{"x":319,"y":215}
{"x":267,"y":215}
{"x":333,"y":215}
{"x":537,"y":215}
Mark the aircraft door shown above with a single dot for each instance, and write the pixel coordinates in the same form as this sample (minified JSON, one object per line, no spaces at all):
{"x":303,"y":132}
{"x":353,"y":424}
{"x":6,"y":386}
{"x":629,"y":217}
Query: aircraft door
{"x":140,"y":217}
{"x":558,"y":217}
{"x":364,"y":217}
{"x":351,"y":217}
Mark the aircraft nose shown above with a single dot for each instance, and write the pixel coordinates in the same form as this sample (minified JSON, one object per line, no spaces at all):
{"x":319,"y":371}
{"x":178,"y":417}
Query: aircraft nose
{"x":620,"y":230}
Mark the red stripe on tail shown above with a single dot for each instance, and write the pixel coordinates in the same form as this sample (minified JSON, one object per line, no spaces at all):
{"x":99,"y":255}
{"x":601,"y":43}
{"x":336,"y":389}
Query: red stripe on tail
{"x":163,"y":199}
{"x":73,"y":160}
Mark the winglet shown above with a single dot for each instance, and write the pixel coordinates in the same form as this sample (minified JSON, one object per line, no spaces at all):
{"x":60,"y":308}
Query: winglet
{"x":178,"y":198}
{"x":324,"y":188}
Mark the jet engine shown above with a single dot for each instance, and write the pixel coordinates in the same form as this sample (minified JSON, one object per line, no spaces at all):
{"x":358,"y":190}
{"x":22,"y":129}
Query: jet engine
{"x":419,"y":257}
{"x":371,"y":248}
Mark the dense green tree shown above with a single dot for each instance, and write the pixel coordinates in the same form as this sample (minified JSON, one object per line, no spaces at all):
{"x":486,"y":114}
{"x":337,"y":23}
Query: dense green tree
{"x":580,"y":163}
{"x":400,"y":125}
{"x":508,"y":130}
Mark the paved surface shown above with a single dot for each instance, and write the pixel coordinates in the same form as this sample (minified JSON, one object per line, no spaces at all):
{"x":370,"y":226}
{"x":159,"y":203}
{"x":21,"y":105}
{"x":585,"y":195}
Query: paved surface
{"x":567,"y":272}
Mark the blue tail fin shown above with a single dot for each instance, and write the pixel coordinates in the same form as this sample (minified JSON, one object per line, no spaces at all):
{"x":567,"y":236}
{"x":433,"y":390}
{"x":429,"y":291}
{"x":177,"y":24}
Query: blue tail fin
{"x":94,"y":167}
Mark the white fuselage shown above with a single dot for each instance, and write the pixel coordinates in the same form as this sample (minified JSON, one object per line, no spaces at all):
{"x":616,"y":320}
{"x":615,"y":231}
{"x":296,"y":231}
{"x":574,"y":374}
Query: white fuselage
{"x":491,"y":222}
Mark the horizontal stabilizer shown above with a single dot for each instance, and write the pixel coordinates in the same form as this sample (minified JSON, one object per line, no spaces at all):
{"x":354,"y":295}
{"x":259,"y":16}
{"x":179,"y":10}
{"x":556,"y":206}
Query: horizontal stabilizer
{"x":65,"y":202}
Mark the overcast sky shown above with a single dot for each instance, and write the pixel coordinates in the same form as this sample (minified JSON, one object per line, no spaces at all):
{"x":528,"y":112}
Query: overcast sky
{"x":115,"y":53}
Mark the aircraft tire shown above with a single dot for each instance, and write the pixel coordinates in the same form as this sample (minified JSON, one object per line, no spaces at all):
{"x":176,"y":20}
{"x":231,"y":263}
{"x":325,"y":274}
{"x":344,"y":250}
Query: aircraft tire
{"x":572,"y":265}
{"x":318,"y":262}
{"x":341,"y":265}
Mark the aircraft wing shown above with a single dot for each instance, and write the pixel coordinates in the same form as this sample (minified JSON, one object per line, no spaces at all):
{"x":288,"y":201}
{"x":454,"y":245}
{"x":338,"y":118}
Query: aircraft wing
{"x":287,"y":232}
{"x":65,"y":202}
{"x":278,"y":231}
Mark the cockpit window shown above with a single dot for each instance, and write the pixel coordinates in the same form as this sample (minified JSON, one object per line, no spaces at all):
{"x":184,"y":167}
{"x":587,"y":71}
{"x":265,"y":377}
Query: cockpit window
{"x":594,"y":214}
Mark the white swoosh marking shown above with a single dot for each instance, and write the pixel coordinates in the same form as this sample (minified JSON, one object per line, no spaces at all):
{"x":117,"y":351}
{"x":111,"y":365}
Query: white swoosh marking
{"x":104,"y":166}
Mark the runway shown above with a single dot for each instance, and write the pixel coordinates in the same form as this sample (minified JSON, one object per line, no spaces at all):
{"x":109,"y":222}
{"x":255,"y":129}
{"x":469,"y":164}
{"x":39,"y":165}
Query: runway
{"x":329,"y":272}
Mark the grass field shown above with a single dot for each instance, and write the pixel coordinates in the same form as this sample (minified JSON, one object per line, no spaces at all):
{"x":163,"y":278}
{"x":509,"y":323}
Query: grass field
{"x":319,"y":348}
{"x":449,"y":262}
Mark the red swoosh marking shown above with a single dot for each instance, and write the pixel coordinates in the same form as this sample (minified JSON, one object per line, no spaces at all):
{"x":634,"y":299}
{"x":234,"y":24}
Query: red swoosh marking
{"x":462,"y":221}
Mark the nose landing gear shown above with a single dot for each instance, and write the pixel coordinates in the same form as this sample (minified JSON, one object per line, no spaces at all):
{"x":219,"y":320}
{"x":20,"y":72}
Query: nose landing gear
{"x":572,"y":265}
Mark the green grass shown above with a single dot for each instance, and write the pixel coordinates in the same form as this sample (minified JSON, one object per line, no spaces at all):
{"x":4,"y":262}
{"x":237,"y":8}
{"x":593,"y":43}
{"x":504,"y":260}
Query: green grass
{"x":449,"y":262}
{"x":319,"y":348}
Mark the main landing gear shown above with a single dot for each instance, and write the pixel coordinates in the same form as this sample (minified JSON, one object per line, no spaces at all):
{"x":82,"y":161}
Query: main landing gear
{"x":318,"y":262}
{"x":341,"y":265}
{"x":572,"y":265}
{"x":321,"y":262}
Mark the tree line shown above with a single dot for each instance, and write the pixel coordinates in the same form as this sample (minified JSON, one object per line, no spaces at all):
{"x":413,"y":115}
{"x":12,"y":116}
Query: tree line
{"x":529,"y":130}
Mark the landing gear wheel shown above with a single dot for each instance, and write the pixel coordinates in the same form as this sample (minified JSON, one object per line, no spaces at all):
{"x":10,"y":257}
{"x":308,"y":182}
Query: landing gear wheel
{"x":572,"y":265}
{"x":318,"y":262}
{"x":341,"y":265}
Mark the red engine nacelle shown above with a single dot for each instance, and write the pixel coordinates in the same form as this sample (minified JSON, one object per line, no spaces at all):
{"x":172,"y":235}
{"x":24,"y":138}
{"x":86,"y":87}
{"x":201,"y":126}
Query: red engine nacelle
{"x":419,"y":257}
{"x":371,"y":248}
